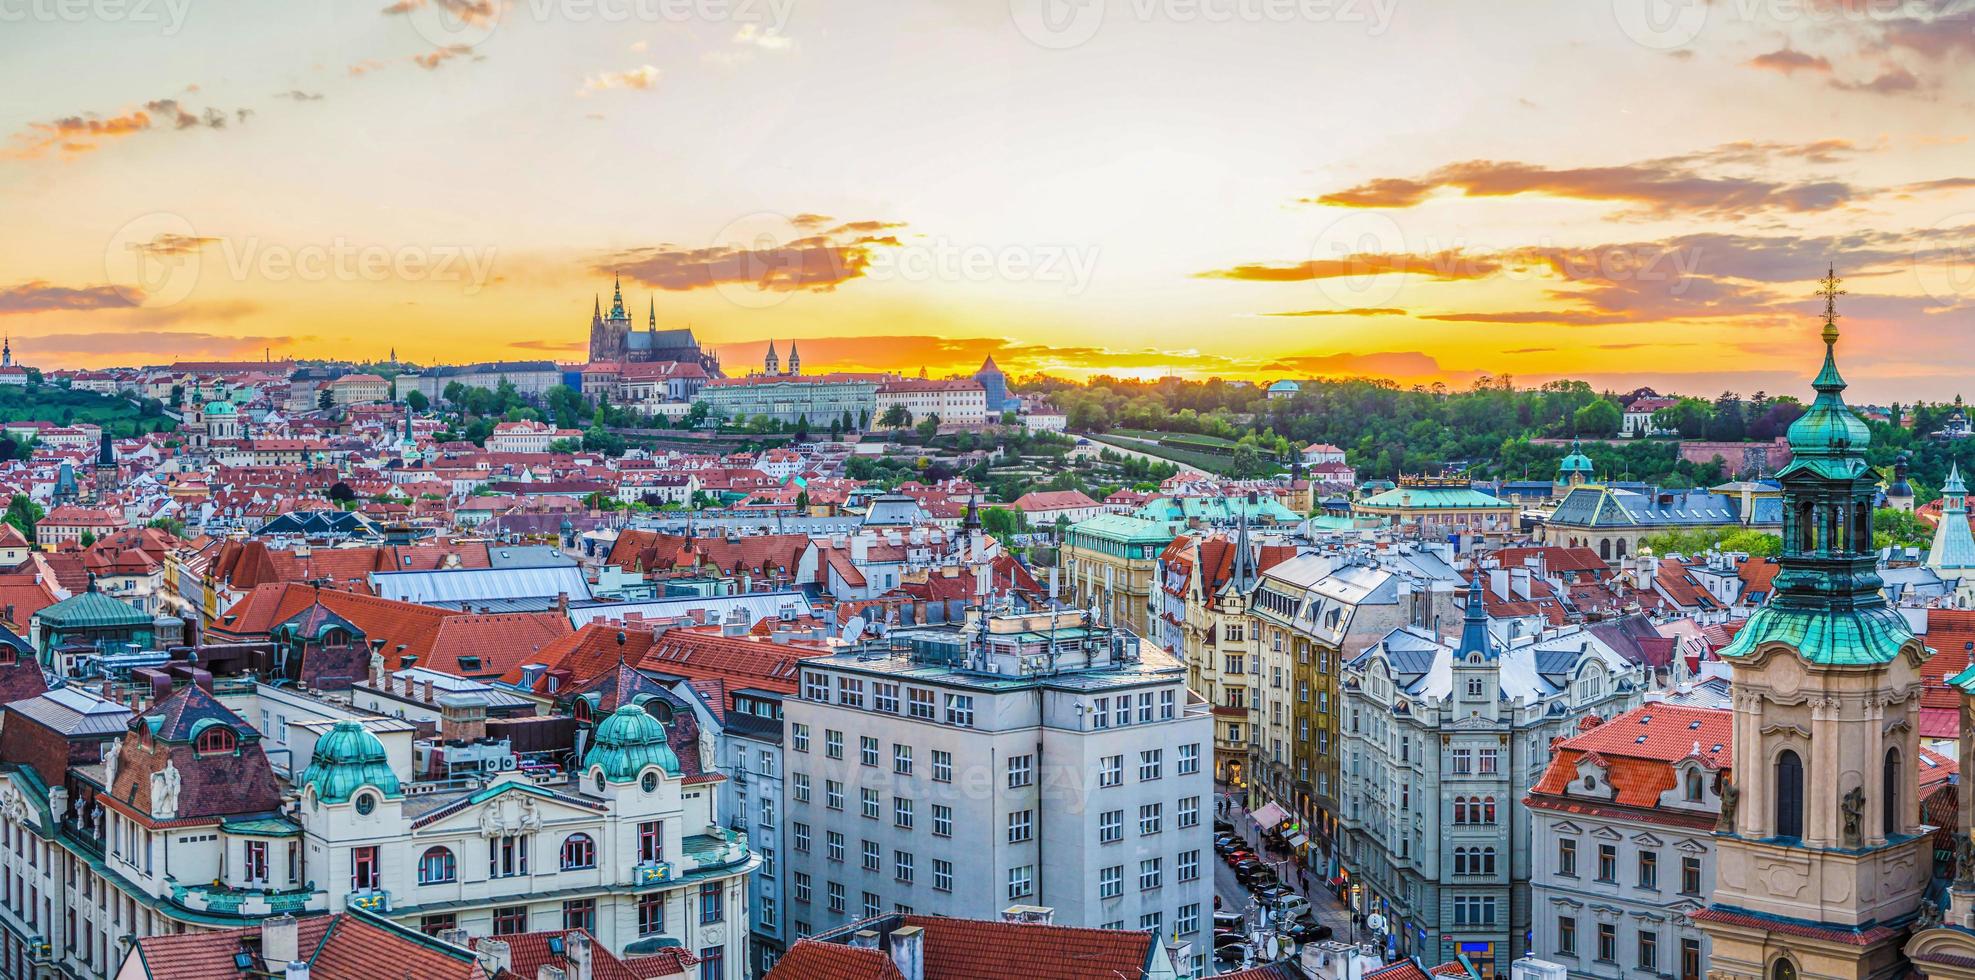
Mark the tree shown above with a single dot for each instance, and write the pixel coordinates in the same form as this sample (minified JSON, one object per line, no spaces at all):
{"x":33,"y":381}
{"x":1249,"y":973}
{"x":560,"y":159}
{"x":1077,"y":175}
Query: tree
{"x":802,"y":502}
{"x":1894,"y":528}
{"x":417,"y":400}
{"x":929,"y":427}
{"x":696,"y":416}
{"x":341,"y":492}
{"x":1601,"y":418}
{"x":863,"y":418}
{"x":170,"y":525}
{"x":23,"y":513}
{"x":88,"y":539}
{"x":896,"y":417}
{"x":1004,"y":522}
{"x":325,"y":399}
{"x":849,"y":423}
{"x":836,"y":429}
{"x":801,"y":428}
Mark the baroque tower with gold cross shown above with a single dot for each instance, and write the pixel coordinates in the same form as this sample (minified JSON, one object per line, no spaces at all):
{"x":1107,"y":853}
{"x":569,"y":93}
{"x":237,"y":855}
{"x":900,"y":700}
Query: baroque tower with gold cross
{"x":1822,"y":859}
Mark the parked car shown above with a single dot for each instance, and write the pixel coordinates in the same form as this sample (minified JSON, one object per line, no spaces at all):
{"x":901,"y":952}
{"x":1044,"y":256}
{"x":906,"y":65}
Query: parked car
{"x":1227,"y":920}
{"x":1223,"y":826}
{"x":1290,"y":906}
{"x":1239,"y":855}
{"x":1260,"y":876}
{"x":1246,"y":867}
{"x":1307,"y":931}
{"x":1271,"y":895}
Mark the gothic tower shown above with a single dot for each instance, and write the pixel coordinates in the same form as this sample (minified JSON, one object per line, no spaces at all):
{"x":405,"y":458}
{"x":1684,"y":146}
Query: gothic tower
{"x":795,"y":360}
{"x":105,"y":476}
{"x":610,"y":334}
{"x":771,"y":365}
{"x":1821,"y":857}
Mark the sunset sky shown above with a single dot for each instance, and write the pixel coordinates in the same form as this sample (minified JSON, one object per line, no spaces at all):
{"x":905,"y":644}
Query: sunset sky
{"x":1625,"y":191}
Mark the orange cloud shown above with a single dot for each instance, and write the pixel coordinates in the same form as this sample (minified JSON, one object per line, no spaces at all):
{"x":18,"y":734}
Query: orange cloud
{"x":37,"y":296}
{"x":812,"y":263}
{"x":1354,"y":311}
{"x":1449,"y":264}
{"x":436,"y":57}
{"x":1789,"y":61}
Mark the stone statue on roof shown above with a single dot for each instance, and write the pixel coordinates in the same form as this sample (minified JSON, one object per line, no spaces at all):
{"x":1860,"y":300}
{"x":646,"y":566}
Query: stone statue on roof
{"x":165,"y":786}
{"x":1730,"y":797}
{"x":110,"y":754}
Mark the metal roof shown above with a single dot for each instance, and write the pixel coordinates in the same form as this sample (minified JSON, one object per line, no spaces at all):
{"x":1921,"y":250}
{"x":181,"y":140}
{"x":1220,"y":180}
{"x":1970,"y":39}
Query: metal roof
{"x":73,"y":711}
{"x":756,"y":605}
{"x":475,"y":584}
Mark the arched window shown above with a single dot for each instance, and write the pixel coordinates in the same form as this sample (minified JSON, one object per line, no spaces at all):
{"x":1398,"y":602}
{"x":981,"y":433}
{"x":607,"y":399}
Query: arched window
{"x":437,"y":866}
{"x":1488,"y":809}
{"x":1789,"y":798}
{"x":1619,"y":550}
{"x":1460,"y":809}
{"x":1605,"y":548}
{"x":1783,"y":970}
{"x":1460,"y":860}
{"x":215,"y":740}
{"x":1889,"y":787}
{"x":582,"y":710}
{"x":578,"y":852}
{"x":1488,"y":861}
{"x":1694,"y":787}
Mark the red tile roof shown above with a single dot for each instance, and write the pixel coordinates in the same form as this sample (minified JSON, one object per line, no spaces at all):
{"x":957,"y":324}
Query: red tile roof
{"x":1638,"y":749}
{"x":812,"y":959}
{"x":361,"y":948}
{"x":209,"y":955}
{"x":528,"y":952}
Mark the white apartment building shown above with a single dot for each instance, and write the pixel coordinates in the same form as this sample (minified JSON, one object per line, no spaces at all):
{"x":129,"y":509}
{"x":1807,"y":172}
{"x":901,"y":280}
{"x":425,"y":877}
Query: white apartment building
{"x":956,"y":401}
{"x":1039,"y":760}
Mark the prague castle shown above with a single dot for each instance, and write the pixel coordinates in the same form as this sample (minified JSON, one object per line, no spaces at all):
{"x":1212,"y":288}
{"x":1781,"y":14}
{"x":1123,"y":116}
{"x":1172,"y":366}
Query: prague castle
{"x":612,"y":338}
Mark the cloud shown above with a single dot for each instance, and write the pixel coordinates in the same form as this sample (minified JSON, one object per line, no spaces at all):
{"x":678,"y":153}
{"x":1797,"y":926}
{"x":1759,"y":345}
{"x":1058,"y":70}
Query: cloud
{"x":86,"y":132}
{"x":39,"y":296}
{"x":753,"y":35}
{"x":464,"y":11}
{"x":643,"y":78}
{"x":818,"y":262}
{"x":1789,"y":61}
{"x":137,"y":346}
{"x":1936,"y":36}
{"x":549,"y":345}
{"x":1530,"y":350}
{"x":365,"y":67}
{"x":1354,"y":311}
{"x":1690,"y":184}
{"x":436,"y":57}
{"x":1450,"y":264}
{"x":1893,"y":81}
{"x":169,"y":244}
{"x":1569,"y":318}
{"x":299,"y":96}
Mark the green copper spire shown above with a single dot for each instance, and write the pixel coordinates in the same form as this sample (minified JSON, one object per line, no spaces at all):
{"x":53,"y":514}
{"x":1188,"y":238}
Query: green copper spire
{"x":1828,"y":607}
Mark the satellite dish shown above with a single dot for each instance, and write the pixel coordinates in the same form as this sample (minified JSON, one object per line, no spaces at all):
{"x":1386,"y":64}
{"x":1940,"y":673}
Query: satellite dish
{"x":854,"y":629}
{"x":1274,"y":948}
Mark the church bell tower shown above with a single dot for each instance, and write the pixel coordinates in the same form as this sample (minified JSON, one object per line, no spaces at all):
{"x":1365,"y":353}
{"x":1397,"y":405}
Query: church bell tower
{"x":1821,"y":859}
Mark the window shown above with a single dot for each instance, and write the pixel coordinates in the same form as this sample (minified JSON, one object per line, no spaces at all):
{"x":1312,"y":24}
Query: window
{"x":942,"y":820}
{"x":1690,"y":876}
{"x":1463,"y":762}
{"x":872,"y":904}
{"x":1189,"y":812}
{"x":1149,"y":922}
{"x":1607,"y":942}
{"x":1188,"y":919}
{"x":901,"y":812}
{"x":867,"y":801}
{"x":1021,"y":881}
{"x":1690,"y":959}
{"x":712,"y":963}
{"x":1189,"y":761}
{"x":1490,"y":761}
{"x":510,"y":920}
{"x":1110,"y":826}
{"x":901,"y":759}
{"x":1188,"y":866}
{"x":1567,"y":857}
{"x":942,"y":766}
{"x":1789,"y":797}
{"x":1889,"y":792}
{"x":1607,"y":862}
{"x":1021,"y":826}
{"x":710,"y":907}
{"x":1110,"y":881}
{"x":799,"y":785}
{"x":580,"y":913}
{"x":799,"y":737}
{"x":816,"y":687}
{"x":1021,"y":771}
{"x":1111,"y":770}
{"x":799,"y":834}
{"x":1168,"y":704}
{"x":217,"y":739}
{"x":919,"y":703}
{"x":507,"y":856}
{"x":1694,"y":787}
{"x":960,"y":710}
{"x":832,"y":743}
{"x":1149,"y":819}
{"x":1123,"y":716}
{"x":651,"y":842}
{"x":901,"y":863}
{"x":1649,"y":951}
{"x":431,"y":925}
{"x":800,"y":887}
{"x":867,"y":750}
{"x":364,"y":873}
{"x":1148,"y":874}
{"x":436,"y":867}
{"x":1566,"y":935}
{"x":1100,"y":713}
{"x":767,"y":914}
{"x":884,"y":697}
{"x":850,"y":692}
{"x":873,"y":860}
{"x":1149,"y":764}
{"x":833,"y":794}
{"x":1474,"y":910}
{"x":942,"y":875}
{"x":1145,"y":706}
{"x":833,"y":846}
{"x":256,"y":868}
{"x":578,"y":851}
{"x":1649,"y":870}
{"x":651,"y":913}
{"x":836,"y":897}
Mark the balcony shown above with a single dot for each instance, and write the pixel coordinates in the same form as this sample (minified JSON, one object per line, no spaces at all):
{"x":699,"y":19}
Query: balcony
{"x":652,"y":873}
{"x":247,"y":903}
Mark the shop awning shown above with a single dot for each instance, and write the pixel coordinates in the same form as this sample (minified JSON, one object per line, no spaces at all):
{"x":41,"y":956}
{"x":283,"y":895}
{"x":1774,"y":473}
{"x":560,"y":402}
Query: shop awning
{"x":1298,"y":840}
{"x":1268,"y":816}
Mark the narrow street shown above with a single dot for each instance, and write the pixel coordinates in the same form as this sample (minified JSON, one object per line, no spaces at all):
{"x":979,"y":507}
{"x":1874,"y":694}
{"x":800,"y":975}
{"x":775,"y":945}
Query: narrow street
{"x":1235,"y":897}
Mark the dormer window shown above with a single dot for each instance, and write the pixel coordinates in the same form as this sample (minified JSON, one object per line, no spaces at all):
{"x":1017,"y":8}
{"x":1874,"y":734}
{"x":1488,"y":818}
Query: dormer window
{"x":1694,"y":787}
{"x":218,"y":740}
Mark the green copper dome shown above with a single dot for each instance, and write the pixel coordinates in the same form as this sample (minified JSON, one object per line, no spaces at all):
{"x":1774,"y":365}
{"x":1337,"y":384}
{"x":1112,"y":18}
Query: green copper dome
{"x":627,"y":742}
{"x":347,"y":758}
{"x":1576,"y":462}
{"x":219,"y":408}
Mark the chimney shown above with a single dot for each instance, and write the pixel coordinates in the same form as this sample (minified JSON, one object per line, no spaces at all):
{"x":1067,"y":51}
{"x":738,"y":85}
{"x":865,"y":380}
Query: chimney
{"x":495,"y":958}
{"x":908,"y":951}
{"x":548,"y":972}
{"x":426,"y":690}
{"x":577,"y":953}
{"x":297,"y":970}
{"x":280,"y":940}
{"x":864,"y":939}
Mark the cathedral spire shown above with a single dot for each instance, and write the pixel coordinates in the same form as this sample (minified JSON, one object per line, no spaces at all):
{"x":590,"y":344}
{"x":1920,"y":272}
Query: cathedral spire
{"x":1474,"y":623}
{"x":651,"y":320}
{"x":617,"y":298}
